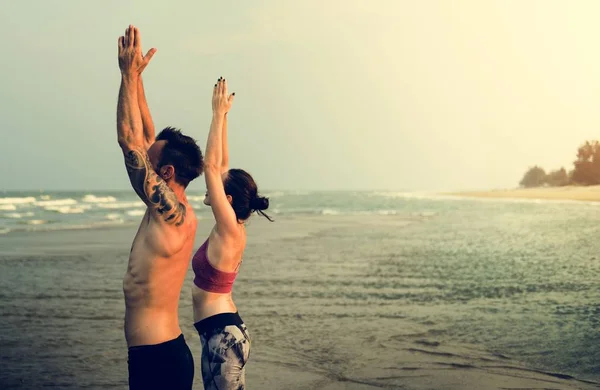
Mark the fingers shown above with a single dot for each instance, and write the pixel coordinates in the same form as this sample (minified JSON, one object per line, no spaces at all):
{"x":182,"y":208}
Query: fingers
{"x":130,"y":36}
{"x":220,"y":86}
{"x":137,"y":38}
{"x":121,"y":43}
{"x":149,"y":55}
{"x":220,"y":89}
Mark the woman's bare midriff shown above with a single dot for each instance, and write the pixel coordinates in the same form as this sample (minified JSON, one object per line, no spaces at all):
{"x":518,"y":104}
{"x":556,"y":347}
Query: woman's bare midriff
{"x":207,"y":304}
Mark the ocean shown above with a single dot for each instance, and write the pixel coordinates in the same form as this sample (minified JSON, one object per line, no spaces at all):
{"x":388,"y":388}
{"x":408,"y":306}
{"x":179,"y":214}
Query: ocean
{"x":356,"y":290}
{"x":45,"y":211}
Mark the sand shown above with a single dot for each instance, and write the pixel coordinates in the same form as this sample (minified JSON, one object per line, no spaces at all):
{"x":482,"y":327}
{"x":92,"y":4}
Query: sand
{"x":589,"y":194}
{"x":63,"y":311}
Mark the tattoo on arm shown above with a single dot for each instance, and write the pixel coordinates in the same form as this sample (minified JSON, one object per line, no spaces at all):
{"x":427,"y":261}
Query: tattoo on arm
{"x":152,"y":189}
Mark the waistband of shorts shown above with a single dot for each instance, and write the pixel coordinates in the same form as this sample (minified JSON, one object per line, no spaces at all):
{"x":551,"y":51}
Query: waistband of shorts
{"x":218,"y":321}
{"x":165,"y":346}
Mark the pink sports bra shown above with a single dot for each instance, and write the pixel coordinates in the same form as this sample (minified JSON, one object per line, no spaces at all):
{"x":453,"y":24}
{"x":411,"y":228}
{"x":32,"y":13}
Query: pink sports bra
{"x":209,"y":278}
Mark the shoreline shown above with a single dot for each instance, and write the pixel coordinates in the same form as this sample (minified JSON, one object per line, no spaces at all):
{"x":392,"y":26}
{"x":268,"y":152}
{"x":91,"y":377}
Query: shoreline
{"x":574,"y":193}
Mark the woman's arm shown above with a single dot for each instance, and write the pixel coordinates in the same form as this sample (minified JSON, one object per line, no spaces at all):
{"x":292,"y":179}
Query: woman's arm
{"x":225,"y":155}
{"x":213,"y":160}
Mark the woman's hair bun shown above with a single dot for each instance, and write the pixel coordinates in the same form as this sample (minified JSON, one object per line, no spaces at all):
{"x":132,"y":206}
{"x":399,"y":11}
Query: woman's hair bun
{"x":259,"y":203}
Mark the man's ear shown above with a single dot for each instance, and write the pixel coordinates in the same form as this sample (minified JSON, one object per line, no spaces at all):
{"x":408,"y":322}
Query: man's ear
{"x":167,"y":172}
{"x":229,"y":199}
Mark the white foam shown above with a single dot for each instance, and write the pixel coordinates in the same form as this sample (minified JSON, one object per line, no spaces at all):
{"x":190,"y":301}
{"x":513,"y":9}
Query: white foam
{"x":57,"y":202}
{"x":136,"y":213}
{"x":113,"y":217}
{"x":408,"y":195}
{"x":29,"y":199}
{"x":329,"y":212}
{"x":37,"y":222}
{"x":4,"y":230}
{"x":196,"y":198}
{"x":7,"y":207}
{"x":45,"y":197}
{"x":66,"y":209}
{"x":387,"y":212}
{"x":19,"y":215}
{"x":98,"y":199}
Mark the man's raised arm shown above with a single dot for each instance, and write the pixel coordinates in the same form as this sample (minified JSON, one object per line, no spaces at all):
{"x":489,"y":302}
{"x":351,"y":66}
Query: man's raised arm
{"x":147,"y":122}
{"x":150,"y":187}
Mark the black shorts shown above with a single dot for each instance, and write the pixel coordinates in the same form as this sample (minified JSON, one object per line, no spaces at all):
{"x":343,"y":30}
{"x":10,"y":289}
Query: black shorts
{"x":167,"y":365}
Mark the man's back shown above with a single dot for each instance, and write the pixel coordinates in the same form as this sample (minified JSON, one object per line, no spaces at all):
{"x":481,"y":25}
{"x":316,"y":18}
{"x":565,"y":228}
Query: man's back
{"x":158,"y":262}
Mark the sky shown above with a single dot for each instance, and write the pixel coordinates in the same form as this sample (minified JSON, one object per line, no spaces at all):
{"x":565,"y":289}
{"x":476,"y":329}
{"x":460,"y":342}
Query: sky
{"x":330,"y":95}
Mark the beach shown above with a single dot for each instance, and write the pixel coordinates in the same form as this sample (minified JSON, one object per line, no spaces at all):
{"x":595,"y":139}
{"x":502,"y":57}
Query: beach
{"x":575,"y":193}
{"x":439,"y":294}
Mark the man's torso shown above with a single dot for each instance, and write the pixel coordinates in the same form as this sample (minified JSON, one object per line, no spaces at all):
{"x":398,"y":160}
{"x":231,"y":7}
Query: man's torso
{"x":158,"y":262}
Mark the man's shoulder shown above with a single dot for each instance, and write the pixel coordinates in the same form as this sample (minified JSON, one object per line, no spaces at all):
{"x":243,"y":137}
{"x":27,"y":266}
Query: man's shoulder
{"x":183,"y":219}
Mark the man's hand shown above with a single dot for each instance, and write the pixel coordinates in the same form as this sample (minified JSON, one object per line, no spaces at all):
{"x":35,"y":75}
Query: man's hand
{"x":221,"y":101}
{"x":131,"y":61}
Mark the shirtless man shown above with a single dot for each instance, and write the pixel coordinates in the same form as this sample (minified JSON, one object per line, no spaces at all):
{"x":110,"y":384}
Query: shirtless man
{"x":159,"y":170}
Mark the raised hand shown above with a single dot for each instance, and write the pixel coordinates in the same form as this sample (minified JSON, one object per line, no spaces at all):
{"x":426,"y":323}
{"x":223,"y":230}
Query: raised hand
{"x":221,"y":101}
{"x":131,"y":60}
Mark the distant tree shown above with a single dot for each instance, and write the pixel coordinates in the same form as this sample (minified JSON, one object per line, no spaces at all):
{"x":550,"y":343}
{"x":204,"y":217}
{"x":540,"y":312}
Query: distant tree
{"x":557,"y":178}
{"x":570,"y":176}
{"x":534,"y":177}
{"x":587,"y":165}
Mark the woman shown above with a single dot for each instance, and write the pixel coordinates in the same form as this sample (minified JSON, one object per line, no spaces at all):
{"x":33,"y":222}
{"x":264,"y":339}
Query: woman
{"x":233,"y":196}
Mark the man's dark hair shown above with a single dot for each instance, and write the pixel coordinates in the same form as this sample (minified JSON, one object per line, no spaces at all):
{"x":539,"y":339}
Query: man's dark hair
{"x":183,"y":153}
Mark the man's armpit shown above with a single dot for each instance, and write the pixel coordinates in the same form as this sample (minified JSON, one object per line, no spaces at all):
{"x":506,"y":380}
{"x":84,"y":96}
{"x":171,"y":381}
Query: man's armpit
{"x":152,"y":189}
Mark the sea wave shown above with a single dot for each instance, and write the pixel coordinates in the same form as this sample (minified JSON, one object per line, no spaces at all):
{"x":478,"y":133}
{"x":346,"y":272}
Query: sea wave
{"x":136,"y":213}
{"x":90,"y":198}
{"x":67,"y":209}
{"x":18,"y":215}
{"x":408,"y":195}
{"x":55,"y":203}
{"x":13,"y":201}
{"x":36,"y":222}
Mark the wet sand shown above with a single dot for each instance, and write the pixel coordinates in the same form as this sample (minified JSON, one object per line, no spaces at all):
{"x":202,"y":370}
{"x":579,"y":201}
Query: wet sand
{"x":62,"y":312}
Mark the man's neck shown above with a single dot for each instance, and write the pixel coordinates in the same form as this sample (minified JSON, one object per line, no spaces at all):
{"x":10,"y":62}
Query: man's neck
{"x":178,"y":189}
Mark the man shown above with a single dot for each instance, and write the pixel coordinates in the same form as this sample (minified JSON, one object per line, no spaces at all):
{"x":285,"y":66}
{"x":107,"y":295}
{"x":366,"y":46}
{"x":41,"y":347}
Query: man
{"x":159,"y":171}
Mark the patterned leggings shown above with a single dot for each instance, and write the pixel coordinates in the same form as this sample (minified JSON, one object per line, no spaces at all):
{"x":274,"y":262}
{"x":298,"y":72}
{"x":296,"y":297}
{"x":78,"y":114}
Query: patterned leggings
{"x":225,"y":351}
